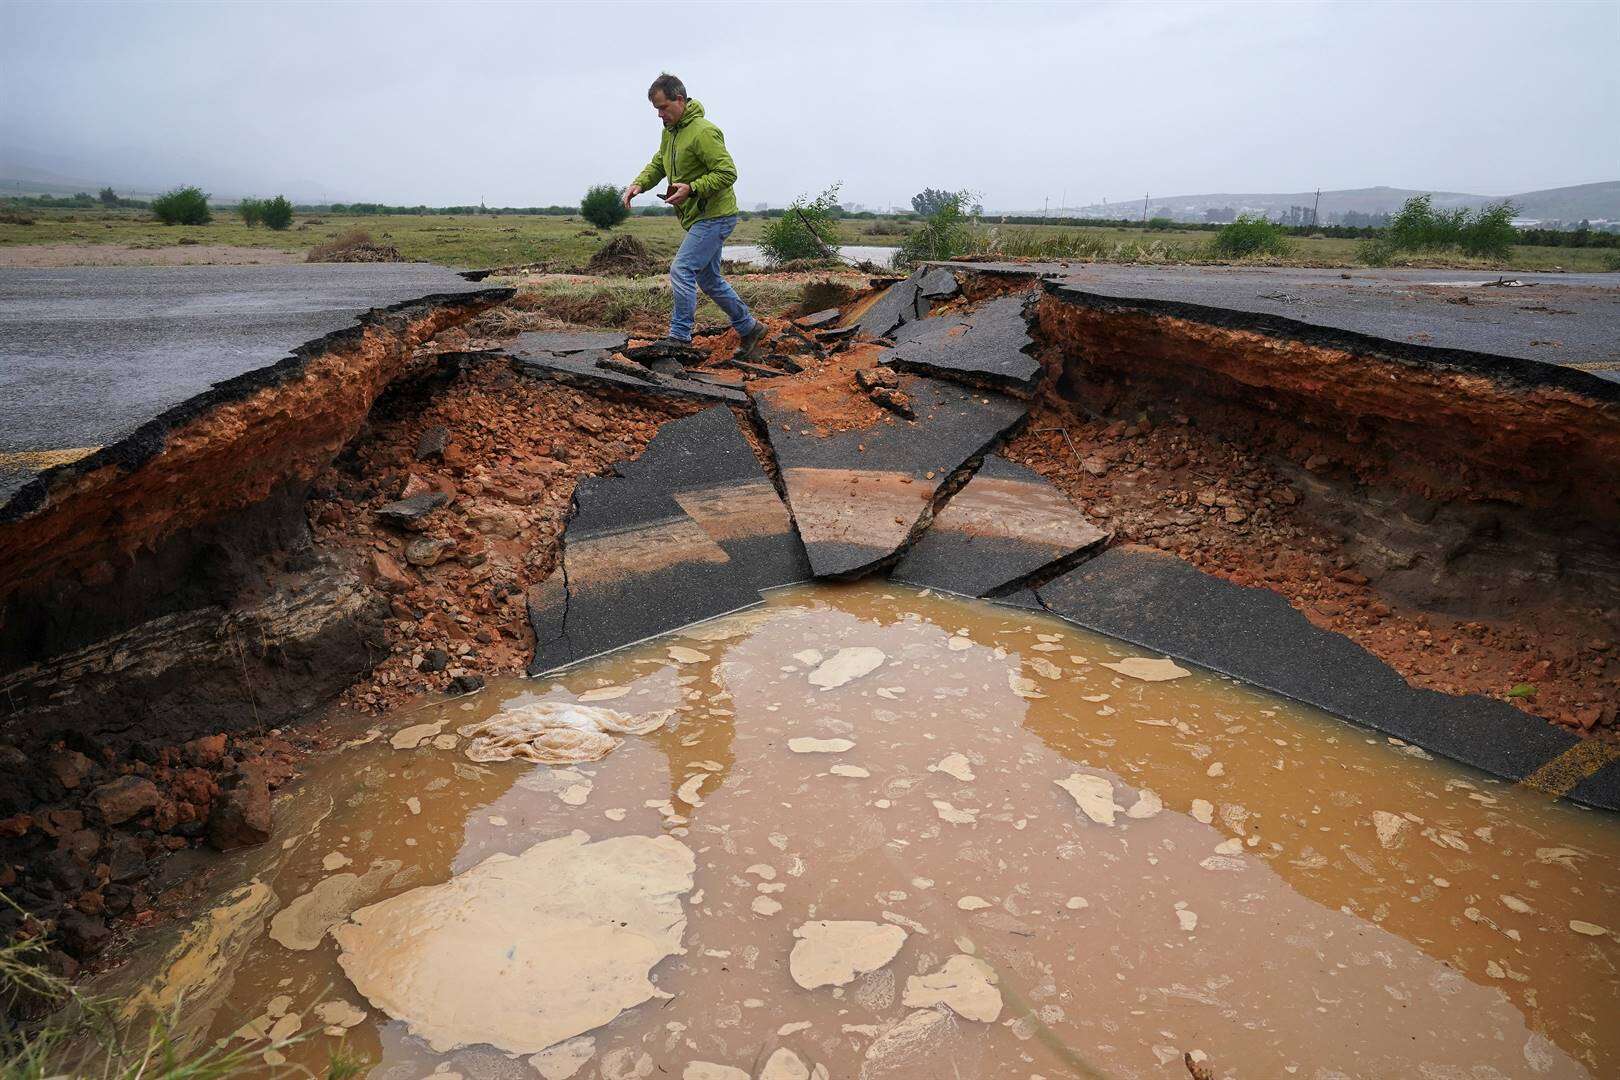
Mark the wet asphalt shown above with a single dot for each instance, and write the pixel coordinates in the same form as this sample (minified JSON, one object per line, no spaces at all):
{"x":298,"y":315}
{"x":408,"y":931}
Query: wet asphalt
{"x":88,"y":354}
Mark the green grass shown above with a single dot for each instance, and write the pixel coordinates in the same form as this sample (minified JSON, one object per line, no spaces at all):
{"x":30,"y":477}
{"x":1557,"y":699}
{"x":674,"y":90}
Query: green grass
{"x":475,"y":240}
{"x":478,"y":240}
{"x":1192,"y":246}
{"x":50,"y":1030}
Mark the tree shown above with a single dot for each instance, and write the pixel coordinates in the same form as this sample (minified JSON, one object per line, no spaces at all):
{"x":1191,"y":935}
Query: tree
{"x":277,"y":212}
{"x":108,"y":197}
{"x":252,"y":211}
{"x":182,"y":206}
{"x":947,"y":230}
{"x":805,"y":231}
{"x":930,"y":201}
{"x":603,"y":206}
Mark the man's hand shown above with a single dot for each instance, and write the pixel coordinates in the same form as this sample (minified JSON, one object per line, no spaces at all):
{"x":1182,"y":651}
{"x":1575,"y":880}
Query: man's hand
{"x":679,"y":193}
{"x":629,"y":193}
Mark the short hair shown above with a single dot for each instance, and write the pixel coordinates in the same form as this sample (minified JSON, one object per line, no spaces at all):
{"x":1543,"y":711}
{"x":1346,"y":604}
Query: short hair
{"x":668,"y":85}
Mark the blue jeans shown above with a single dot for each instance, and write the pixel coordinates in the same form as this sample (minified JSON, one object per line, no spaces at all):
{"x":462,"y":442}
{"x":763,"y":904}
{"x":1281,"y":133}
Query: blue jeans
{"x":697,"y":265}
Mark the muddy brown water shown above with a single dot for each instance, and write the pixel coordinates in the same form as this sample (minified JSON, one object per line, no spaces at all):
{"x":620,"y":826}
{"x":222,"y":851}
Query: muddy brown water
{"x":1277,"y":890}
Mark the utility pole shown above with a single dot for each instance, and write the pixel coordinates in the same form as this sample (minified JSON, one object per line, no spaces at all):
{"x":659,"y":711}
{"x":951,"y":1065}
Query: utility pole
{"x":1317,"y":205}
{"x":1063,"y":202}
{"x":1145,"y":198}
{"x":1046,"y":204}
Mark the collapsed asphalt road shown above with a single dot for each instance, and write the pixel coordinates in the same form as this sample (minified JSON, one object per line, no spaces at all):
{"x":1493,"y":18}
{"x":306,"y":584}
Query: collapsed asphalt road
{"x":191,"y":582}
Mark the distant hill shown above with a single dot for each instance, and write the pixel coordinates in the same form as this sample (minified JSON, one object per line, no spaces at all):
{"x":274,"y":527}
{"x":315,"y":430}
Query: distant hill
{"x":1600,"y":200}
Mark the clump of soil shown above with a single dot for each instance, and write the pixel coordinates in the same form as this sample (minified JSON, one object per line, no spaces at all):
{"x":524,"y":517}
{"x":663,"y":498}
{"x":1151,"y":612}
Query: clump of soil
{"x":624,"y":256}
{"x":355,"y":246}
{"x":82,"y":826}
{"x":830,"y":397}
{"x":825,"y":293}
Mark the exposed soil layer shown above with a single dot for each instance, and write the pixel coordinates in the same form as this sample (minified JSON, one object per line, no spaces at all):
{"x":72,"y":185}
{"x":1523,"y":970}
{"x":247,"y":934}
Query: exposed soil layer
{"x":208,"y":458}
{"x":505,"y":450}
{"x":163,"y":591}
{"x":1463,"y":530}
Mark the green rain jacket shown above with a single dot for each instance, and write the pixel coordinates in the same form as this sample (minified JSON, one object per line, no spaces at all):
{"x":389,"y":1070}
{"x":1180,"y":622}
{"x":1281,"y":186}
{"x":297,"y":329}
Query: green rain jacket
{"x":694,"y":152}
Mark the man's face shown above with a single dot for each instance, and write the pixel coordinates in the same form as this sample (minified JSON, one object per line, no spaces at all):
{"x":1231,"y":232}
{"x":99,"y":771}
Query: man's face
{"x":669,"y":111}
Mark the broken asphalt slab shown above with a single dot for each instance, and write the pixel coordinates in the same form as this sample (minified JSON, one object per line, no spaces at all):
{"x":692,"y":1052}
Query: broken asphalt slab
{"x":938,"y":283}
{"x":705,"y":463}
{"x":533,"y":354}
{"x":895,"y":306}
{"x":985,"y":348}
{"x":1161,"y":603}
{"x":91,"y":355}
{"x":633,"y":565}
{"x":858,"y":495}
{"x":1006,"y":525}
{"x":1553,"y":329}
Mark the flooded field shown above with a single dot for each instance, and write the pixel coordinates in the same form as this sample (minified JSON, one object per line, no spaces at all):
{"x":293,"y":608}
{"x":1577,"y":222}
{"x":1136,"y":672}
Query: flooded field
{"x":877,"y":833}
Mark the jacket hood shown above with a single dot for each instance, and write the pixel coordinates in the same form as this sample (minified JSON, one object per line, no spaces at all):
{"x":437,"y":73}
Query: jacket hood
{"x":694,"y":111}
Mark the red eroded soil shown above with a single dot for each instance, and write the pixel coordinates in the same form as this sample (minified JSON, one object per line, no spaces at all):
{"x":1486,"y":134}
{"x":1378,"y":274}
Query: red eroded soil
{"x":516,"y":448}
{"x":1224,"y":509}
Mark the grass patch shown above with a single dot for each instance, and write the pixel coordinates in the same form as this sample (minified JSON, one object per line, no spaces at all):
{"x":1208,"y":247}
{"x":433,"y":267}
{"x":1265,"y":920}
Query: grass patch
{"x":643,"y":305}
{"x":49,"y":1029}
{"x":567,"y":243}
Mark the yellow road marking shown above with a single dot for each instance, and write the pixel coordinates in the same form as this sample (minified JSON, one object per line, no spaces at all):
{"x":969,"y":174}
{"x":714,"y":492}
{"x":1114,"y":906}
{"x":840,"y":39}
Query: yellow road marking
{"x":41,"y":460}
{"x":1559,"y":776}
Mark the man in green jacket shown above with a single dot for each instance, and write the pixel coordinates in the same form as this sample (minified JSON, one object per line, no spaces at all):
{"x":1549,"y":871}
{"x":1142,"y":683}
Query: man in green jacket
{"x":692,"y":153}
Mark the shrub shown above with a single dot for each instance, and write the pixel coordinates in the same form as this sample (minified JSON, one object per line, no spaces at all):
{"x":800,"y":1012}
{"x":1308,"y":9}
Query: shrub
{"x":1161,"y":223}
{"x":1374,"y":252}
{"x":183,"y":206}
{"x":108,"y":197}
{"x":277,"y":212}
{"x":1420,"y":227}
{"x":603,"y":206}
{"x":1490,"y":233}
{"x":252,"y":211}
{"x":946,"y":233}
{"x":805,"y":231}
{"x":1246,"y":236}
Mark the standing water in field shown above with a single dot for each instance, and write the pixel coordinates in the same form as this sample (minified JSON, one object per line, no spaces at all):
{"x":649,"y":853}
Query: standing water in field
{"x":873,"y":832}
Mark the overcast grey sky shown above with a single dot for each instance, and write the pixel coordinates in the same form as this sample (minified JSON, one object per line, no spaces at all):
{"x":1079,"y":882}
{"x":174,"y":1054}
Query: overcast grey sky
{"x":524,"y":104}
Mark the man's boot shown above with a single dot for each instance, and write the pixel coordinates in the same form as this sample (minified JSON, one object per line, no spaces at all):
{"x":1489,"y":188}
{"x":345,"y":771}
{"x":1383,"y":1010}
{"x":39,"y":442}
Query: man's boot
{"x":750,"y":341}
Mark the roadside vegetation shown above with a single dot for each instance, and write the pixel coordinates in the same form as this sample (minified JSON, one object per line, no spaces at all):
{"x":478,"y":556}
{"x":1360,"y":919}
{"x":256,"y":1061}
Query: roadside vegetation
{"x":642,"y":304}
{"x":566,"y":242}
{"x":1248,"y":236}
{"x":948,"y":229}
{"x":603,"y":206}
{"x":808,"y":232}
{"x":183,"y":206}
{"x":50,"y":1030}
{"x":1421,"y":229}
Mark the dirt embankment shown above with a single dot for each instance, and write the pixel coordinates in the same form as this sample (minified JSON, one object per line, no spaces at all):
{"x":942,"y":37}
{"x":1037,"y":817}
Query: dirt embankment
{"x":1463,"y":529}
{"x":161,"y":593}
{"x":504,"y":451}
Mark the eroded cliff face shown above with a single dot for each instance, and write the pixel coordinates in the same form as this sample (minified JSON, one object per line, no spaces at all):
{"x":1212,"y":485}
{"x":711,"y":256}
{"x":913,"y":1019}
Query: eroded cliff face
{"x":166,"y":585}
{"x":1455,"y":490}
